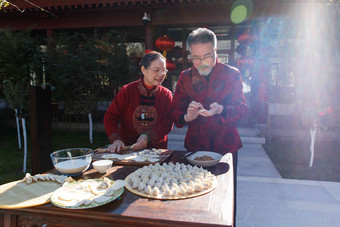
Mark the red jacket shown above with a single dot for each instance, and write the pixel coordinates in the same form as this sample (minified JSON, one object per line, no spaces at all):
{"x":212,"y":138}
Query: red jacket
{"x":217,"y":133}
{"x":135,"y":110}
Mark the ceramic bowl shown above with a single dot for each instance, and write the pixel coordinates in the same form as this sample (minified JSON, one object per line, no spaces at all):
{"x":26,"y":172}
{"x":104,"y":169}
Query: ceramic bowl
{"x":102,"y":165}
{"x":216,"y":158}
{"x":72,"y":161}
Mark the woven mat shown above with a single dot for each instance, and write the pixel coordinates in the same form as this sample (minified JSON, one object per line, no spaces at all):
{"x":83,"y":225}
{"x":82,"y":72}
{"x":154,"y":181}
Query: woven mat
{"x":18,"y":194}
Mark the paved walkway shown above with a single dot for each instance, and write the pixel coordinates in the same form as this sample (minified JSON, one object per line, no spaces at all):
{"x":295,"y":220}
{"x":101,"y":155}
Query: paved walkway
{"x":264,"y":198}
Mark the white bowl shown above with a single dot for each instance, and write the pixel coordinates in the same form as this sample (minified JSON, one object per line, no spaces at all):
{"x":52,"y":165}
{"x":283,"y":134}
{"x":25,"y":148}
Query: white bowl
{"x":216,"y":156}
{"x":79,"y":161}
{"x":102,"y":165}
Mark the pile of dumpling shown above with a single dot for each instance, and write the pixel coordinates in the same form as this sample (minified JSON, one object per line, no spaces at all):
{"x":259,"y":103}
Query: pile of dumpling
{"x":140,"y":156}
{"x":87,"y":192}
{"x":170,"y":181}
{"x":28,"y":179}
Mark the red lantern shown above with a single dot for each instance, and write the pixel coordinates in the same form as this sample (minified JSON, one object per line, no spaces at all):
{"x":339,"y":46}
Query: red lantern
{"x":245,"y":37}
{"x":165,"y":43}
{"x":170,"y":65}
{"x":245,"y":61}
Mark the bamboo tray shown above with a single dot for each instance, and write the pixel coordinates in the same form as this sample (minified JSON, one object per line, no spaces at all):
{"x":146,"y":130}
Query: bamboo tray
{"x":163,"y":156}
{"x":163,"y":197}
{"x":18,"y":194}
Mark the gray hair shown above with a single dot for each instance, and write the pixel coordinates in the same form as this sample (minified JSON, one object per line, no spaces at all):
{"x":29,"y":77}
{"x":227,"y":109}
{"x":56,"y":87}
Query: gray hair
{"x":201,"y":35}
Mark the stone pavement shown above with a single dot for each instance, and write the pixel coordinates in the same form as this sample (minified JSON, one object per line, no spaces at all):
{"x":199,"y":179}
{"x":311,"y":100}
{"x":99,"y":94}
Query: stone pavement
{"x":264,"y":198}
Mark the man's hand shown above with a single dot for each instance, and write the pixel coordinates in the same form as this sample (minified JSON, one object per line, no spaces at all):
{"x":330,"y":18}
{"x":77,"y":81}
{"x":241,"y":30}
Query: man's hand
{"x":215,"y":108}
{"x":116,"y":146}
{"x":192,"y":111}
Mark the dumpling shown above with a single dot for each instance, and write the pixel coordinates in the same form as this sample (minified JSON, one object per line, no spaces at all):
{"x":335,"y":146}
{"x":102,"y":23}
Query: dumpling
{"x":155,"y":191}
{"x":164,"y":187}
{"x":189,"y":190}
{"x":160,"y":179}
{"x":151,"y":183}
{"x":145,"y":180}
{"x":206,"y":184}
{"x":182,"y":190}
{"x":158,"y":184}
{"x":191,"y":184}
{"x":183,"y":184}
{"x":198,"y":187}
{"x":174,"y":189}
{"x":135,"y":183}
{"x":141,"y":186}
{"x":197,"y":181}
{"x":148,"y":190}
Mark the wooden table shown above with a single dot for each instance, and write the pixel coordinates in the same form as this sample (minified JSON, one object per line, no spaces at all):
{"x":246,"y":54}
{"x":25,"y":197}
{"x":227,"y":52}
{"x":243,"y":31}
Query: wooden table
{"x":212,"y":209}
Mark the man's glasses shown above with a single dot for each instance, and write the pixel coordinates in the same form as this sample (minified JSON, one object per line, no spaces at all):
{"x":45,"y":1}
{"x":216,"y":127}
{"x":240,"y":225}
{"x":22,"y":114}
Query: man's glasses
{"x":159,"y":71}
{"x":204,"y":58}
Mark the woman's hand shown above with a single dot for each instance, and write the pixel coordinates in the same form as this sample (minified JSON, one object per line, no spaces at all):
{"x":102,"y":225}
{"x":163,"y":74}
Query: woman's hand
{"x":192,"y":111}
{"x":142,"y":142}
{"x":116,"y":146}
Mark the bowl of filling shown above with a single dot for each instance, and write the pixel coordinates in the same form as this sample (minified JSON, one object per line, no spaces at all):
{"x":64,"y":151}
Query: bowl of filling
{"x":204,"y":158}
{"x":72,"y":161}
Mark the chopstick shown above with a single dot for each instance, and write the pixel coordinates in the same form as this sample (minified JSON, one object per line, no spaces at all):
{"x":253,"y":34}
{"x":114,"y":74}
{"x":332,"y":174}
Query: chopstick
{"x":190,"y":153}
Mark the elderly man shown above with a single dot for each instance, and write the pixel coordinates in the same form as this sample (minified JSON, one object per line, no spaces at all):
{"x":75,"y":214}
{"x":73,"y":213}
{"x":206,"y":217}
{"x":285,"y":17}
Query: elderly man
{"x":209,"y":98}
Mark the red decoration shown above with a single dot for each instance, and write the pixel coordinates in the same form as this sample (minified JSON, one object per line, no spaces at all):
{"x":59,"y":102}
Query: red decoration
{"x":170,"y":65}
{"x":245,"y":37}
{"x":245,"y":61}
{"x":147,"y":51}
{"x":165,"y":43}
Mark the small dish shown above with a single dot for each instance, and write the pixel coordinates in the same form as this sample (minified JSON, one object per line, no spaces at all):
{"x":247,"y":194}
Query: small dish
{"x":102,"y":165}
{"x":215,"y":156}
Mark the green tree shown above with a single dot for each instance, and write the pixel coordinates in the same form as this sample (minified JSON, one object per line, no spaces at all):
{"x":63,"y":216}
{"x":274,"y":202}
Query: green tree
{"x":20,"y":57}
{"x":81,"y":67}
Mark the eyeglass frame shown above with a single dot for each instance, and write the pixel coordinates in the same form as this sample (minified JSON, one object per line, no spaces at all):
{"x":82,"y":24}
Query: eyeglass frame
{"x":199,"y":59}
{"x":159,"y":71}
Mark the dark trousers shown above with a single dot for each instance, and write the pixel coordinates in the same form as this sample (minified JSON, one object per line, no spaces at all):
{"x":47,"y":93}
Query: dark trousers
{"x":235,"y":161}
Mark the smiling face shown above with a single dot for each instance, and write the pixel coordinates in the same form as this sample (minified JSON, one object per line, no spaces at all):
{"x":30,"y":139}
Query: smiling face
{"x":203,"y":57}
{"x":154,"y":75}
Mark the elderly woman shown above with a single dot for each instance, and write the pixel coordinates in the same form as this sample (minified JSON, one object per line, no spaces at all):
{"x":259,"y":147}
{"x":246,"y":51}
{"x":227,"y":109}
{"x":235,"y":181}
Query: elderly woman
{"x":139,"y":113}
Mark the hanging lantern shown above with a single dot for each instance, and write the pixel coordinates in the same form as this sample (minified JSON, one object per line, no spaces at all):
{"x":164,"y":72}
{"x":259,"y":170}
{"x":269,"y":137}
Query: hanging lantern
{"x":245,"y":61}
{"x":170,"y":65}
{"x":165,"y":44}
{"x":245,"y":37}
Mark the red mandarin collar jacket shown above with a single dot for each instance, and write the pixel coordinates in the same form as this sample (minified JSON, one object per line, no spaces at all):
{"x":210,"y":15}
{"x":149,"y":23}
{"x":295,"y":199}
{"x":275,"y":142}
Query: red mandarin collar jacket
{"x":217,"y":133}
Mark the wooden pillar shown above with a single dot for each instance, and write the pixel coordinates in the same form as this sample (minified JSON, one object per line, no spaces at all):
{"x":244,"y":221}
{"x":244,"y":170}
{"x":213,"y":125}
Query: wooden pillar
{"x":41,"y":128}
{"x":184,"y":48}
{"x":149,"y":43}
